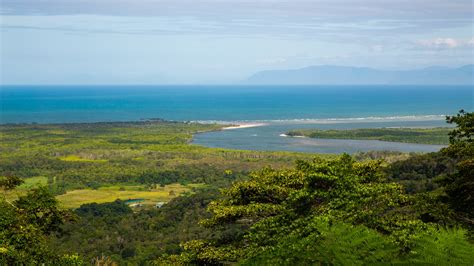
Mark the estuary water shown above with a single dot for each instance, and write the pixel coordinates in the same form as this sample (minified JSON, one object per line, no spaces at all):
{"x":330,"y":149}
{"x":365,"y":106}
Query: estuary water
{"x":271,"y":138}
{"x":280,"y":108}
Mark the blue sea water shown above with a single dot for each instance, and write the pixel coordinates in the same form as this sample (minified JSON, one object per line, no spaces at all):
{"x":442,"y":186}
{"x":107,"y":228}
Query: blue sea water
{"x":281,"y":108}
{"x":58,"y":104}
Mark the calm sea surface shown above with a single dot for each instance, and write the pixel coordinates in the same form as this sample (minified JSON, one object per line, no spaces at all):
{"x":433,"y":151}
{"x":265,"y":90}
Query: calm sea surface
{"x":281,"y":107}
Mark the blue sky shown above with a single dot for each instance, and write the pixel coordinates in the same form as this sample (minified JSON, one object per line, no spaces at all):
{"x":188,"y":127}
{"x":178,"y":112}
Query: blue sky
{"x":223,"y":41}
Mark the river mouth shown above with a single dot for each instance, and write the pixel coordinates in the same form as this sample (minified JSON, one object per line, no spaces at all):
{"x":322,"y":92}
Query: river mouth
{"x":270,"y":137}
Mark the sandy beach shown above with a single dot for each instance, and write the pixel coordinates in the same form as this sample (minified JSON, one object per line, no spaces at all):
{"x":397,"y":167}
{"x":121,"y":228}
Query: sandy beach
{"x":285,"y":135}
{"x":244,"y":125}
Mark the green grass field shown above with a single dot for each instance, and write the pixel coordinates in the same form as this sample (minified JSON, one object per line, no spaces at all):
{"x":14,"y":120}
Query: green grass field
{"x":75,"y":198}
{"x":75,"y":158}
{"x":33,"y":182}
{"x":22,"y":189}
{"x":407,"y":135}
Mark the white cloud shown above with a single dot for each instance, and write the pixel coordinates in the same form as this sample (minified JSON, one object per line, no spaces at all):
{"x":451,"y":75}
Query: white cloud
{"x":439,"y":43}
{"x":445,"y":43}
{"x":471,"y":42}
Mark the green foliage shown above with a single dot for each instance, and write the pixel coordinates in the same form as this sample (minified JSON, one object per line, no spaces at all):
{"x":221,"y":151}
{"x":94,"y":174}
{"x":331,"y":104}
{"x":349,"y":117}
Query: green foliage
{"x":409,"y":135}
{"x":447,"y":175}
{"x":122,"y":236}
{"x":91,"y":155}
{"x":277,"y":203}
{"x":295,"y":215}
{"x":321,"y":186}
{"x":420,"y":172}
{"x":72,"y":157}
{"x":461,"y":139}
{"x":442,"y":247}
{"x":117,"y":207}
{"x":464,"y":131}
{"x":324,"y":243}
{"x":40,"y":209}
{"x":10,"y":182}
{"x":339,"y":211}
{"x":24,"y":227}
{"x":388,"y":156}
{"x":459,"y":186}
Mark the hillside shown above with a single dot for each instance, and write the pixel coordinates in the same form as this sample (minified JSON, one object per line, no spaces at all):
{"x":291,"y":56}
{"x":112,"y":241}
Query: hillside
{"x":345,"y":75}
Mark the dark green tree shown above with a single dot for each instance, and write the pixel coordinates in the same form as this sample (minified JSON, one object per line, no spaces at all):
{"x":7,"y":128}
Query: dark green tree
{"x":321,"y":212}
{"x":9,"y":182}
{"x":464,"y":132}
{"x":25,"y":224}
{"x":459,"y":186}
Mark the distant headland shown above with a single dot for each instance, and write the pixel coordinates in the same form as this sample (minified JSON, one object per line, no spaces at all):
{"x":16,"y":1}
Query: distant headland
{"x":345,"y":75}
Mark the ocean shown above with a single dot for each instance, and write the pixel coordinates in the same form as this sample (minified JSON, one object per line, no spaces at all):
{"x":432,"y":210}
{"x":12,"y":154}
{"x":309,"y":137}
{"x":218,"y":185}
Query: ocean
{"x":60,"y":104}
{"x":281,"y":108}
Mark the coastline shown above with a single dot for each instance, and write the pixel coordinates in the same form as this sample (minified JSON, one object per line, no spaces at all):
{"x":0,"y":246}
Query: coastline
{"x":288,"y":136}
{"x":415,"y":135}
{"x":244,"y":125}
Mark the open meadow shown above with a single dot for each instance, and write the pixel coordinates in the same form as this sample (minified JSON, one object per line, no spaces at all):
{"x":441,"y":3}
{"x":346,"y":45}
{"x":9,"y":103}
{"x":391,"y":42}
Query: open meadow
{"x":145,"y":196}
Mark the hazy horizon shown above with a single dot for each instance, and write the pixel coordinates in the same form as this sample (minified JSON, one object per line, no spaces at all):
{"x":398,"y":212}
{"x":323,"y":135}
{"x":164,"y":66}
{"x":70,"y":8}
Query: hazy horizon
{"x":246,"y":80}
{"x":214,"y":42}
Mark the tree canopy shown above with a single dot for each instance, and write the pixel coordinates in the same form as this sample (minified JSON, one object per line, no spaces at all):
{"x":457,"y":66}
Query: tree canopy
{"x":26,"y":223}
{"x":321,"y":211}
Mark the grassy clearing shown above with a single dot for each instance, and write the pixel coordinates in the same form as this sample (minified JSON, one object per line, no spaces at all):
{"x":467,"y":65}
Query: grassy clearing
{"x":75,"y":198}
{"x":33,"y":182}
{"x":28,"y":184}
{"x":75,"y":158}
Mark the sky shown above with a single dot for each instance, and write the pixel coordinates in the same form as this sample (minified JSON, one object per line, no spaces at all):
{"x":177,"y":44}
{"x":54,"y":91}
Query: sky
{"x":223,"y":41}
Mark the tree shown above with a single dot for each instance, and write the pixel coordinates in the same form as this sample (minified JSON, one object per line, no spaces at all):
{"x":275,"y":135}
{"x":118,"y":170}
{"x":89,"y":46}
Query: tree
{"x":459,"y":186}
{"x":24,"y":225}
{"x":464,"y":132}
{"x":9,"y":182}
{"x":301,"y":205}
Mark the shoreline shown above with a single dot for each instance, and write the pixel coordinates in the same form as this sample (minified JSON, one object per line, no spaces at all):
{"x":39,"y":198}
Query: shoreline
{"x":288,"y":136}
{"x":230,"y":124}
{"x":244,"y":125}
{"x":368,"y":119}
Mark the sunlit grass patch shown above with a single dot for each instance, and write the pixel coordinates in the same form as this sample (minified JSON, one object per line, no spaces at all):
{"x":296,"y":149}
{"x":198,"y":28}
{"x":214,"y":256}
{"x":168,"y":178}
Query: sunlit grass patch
{"x":33,"y":182}
{"x":75,"y":158}
{"x":29,"y":183}
{"x":75,"y":198}
{"x":57,"y":132}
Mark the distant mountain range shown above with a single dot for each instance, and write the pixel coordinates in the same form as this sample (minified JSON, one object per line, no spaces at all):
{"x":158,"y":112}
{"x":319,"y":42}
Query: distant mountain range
{"x":343,"y":75}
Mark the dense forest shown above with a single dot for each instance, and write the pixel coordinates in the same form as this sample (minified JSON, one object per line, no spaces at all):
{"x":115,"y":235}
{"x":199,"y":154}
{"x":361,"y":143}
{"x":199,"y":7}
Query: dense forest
{"x":133,"y":157}
{"x":235,"y":207}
